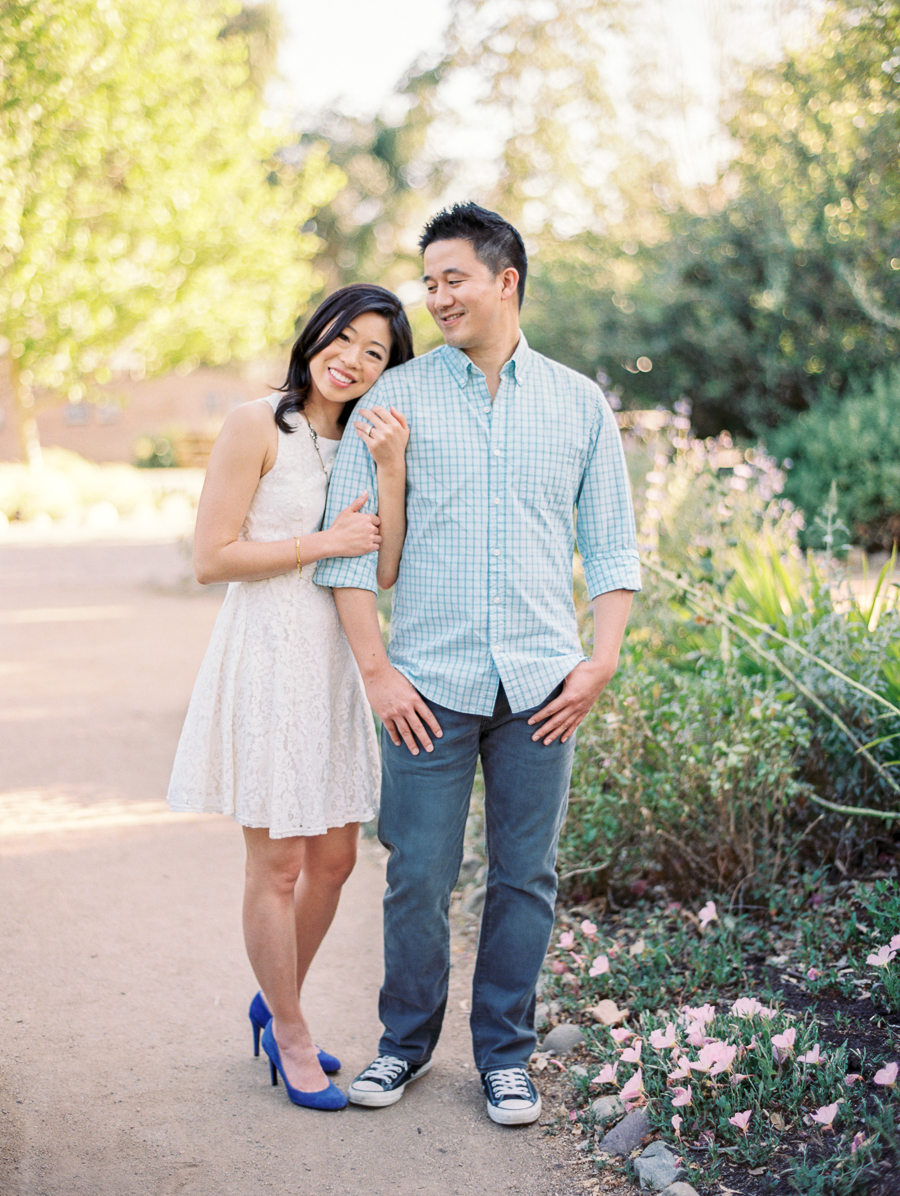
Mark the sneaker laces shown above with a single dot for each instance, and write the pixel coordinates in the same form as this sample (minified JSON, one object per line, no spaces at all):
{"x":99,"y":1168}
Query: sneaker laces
{"x":385,"y":1067}
{"x":509,"y":1083}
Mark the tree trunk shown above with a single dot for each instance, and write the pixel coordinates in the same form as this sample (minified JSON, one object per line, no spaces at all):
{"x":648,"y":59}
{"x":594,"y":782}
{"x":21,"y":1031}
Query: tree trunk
{"x":26,"y":423}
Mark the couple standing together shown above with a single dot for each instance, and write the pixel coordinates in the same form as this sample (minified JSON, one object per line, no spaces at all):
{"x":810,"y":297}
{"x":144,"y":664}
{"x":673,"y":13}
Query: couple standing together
{"x":459,"y":481}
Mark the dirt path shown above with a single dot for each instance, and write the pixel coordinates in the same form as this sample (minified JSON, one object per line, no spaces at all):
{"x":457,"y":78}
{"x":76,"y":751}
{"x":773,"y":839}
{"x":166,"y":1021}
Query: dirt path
{"x":127,"y":1066}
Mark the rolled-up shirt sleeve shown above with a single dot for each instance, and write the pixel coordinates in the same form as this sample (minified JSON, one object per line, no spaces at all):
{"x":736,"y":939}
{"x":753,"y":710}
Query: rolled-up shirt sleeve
{"x":605,"y":530}
{"x":352,"y":474}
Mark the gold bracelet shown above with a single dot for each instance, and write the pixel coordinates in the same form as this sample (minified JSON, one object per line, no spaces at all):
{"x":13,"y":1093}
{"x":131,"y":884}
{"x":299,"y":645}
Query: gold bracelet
{"x":299,"y":566}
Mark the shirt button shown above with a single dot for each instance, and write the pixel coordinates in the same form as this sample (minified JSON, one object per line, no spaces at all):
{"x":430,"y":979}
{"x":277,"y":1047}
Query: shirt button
{"x":496,"y":502}
{"x":496,"y":552}
{"x":497,"y":599}
{"x":487,"y":411}
{"x":496,"y":452}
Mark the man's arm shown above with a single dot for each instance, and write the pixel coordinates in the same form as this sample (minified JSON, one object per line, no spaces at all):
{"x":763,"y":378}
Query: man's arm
{"x":608,"y":546}
{"x":587,"y":680}
{"x":393,"y":698}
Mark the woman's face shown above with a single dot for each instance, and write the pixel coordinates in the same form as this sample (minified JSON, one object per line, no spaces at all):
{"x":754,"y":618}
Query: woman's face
{"x":353,"y":362}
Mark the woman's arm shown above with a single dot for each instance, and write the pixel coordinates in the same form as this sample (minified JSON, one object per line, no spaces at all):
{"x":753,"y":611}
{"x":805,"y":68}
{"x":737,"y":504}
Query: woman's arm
{"x":244,"y":452}
{"x":386,"y":436}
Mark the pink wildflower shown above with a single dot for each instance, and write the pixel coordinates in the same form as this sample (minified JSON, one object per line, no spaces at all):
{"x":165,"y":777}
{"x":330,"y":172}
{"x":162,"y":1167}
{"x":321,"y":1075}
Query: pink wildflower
{"x":567,"y":940}
{"x":707,"y":914}
{"x":606,"y":1074}
{"x":736,"y":1078}
{"x":851,"y":1078}
{"x":741,"y":1120}
{"x":715,"y":1057}
{"x":633,"y":1088}
{"x":633,"y":1053}
{"x":813,"y":974}
{"x":746,"y":1007}
{"x":858,"y":1138}
{"x":881,"y":958}
{"x":588,"y":928}
{"x":695,"y":1035}
{"x":887,"y":1075}
{"x":620,"y":1034}
{"x":676,"y":1124}
{"x":725,"y":1057}
{"x":826,"y":1115}
{"x":783,"y":1044}
{"x":600,"y":966}
{"x":812,"y":1056}
{"x":662,"y":1040}
{"x":705,"y":1013}
{"x":683,"y":1096}
{"x":683,"y":1071}
{"x":894,"y":944}
{"x":579,"y":959}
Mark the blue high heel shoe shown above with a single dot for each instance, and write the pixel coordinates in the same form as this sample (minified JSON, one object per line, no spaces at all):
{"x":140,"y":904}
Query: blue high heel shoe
{"x":330,"y":1098}
{"x":260,"y":1016}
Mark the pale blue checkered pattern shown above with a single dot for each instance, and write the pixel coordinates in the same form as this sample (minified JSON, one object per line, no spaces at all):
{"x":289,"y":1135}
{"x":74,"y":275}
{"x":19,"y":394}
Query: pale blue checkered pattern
{"x":485,"y":587}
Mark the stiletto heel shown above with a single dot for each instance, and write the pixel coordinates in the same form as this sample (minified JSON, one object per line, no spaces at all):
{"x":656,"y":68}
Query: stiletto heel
{"x":329,"y":1099}
{"x":260,"y":1017}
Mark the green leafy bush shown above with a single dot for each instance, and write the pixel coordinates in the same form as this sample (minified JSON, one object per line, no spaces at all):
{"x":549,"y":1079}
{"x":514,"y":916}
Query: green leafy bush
{"x":856,"y":444}
{"x":688,"y":778}
{"x":759,"y":701}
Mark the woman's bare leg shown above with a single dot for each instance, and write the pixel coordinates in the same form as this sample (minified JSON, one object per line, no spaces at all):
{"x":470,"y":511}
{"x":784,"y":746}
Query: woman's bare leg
{"x":270,"y":935}
{"x":327,"y":863}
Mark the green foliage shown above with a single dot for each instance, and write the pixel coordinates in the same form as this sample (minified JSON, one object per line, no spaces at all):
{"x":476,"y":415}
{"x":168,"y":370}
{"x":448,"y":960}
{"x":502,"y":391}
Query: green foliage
{"x":688,"y":778}
{"x":730,"y":1078}
{"x":853,"y":445}
{"x":644,"y":963}
{"x":777,"y":288}
{"x":146,"y":220}
{"x":755,"y":688}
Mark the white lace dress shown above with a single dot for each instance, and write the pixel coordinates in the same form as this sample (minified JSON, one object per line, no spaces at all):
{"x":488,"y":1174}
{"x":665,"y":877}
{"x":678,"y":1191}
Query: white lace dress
{"x":278,"y":732}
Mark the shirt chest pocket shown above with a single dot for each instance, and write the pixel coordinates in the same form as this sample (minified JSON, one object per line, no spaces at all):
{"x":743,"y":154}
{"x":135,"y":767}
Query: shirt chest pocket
{"x":548,"y":478}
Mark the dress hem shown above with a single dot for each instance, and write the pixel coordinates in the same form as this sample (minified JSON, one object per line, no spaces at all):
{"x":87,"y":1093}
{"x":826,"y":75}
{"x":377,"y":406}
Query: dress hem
{"x":261,"y":826}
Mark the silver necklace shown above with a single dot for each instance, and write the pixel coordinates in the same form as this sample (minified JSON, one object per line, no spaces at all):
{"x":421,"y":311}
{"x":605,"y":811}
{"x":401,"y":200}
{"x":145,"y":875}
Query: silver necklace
{"x":315,"y":439}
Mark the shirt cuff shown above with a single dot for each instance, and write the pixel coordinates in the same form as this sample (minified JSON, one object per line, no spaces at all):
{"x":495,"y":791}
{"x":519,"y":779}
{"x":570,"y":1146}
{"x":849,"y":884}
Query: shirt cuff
{"x":354,"y":573}
{"x":619,"y":571}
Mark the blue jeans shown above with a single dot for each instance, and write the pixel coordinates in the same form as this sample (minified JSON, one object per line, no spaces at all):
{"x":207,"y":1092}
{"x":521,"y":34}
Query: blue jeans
{"x":424,"y":804}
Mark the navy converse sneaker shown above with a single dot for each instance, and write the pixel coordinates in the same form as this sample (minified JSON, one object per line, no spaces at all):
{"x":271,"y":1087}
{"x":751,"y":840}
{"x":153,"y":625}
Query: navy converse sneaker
{"x":512,"y":1099}
{"x":383,"y":1081}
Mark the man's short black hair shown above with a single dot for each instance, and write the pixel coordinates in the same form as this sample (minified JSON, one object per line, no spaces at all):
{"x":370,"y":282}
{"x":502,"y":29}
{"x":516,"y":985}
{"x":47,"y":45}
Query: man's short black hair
{"x":496,"y":243}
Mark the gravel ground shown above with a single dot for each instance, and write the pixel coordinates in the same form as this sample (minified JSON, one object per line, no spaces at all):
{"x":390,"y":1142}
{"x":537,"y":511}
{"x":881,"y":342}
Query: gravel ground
{"x":127,"y":1068}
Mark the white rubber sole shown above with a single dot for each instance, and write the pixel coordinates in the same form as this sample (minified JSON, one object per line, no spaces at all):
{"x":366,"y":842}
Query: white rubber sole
{"x":514,"y":1116}
{"x":380,"y":1100}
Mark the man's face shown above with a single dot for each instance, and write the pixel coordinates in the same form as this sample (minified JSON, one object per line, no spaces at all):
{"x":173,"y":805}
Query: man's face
{"x":464,"y":297}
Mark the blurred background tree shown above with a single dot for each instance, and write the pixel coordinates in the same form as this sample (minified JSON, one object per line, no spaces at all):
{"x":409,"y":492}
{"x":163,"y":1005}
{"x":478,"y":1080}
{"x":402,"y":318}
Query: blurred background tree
{"x":146,"y":220}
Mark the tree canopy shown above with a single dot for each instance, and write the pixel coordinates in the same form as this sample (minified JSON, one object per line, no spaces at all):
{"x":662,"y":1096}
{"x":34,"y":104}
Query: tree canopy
{"x":146,"y":219}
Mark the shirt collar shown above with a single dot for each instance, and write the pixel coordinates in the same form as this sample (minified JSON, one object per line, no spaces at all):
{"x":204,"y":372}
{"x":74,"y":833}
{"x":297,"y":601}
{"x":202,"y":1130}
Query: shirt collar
{"x":460,"y":366}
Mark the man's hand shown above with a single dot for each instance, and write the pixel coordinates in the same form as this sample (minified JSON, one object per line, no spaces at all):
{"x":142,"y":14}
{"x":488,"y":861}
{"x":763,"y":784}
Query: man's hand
{"x":580,"y":691}
{"x":402,"y":709}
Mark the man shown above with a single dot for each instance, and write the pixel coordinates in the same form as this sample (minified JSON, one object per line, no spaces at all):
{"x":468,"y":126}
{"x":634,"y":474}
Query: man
{"x":484,"y":657}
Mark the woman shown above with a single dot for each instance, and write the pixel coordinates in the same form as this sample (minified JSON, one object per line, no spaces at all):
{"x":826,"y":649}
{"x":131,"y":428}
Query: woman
{"x":278,"y":733}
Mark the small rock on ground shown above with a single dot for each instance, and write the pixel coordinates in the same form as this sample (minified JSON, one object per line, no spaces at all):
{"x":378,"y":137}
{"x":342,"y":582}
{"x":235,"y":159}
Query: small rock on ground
{"x":607,"y":1109}
{"x":563,"y":1039}
{"x":657,"y":1167}
{"x":624,"y":1137}
{"x":679,"y":1189}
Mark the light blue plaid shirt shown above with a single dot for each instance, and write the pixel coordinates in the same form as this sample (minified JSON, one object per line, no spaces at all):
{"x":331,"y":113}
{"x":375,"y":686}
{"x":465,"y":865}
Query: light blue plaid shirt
{"x":484,"y":593}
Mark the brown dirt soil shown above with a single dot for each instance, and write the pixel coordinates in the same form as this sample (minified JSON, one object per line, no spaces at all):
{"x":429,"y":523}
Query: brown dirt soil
{"x":127,"y":1068}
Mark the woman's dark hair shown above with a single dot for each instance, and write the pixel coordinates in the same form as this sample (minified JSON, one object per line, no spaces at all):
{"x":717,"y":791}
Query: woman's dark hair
{"x":328,"y":320}
{"x":496,"y":243}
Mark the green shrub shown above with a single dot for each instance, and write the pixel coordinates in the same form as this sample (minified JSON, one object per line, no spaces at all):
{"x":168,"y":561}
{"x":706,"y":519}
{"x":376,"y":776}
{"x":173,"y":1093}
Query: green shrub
{"x":855,"y":443}
{"x":688,"y":778}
